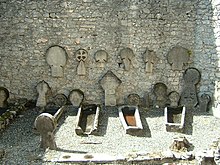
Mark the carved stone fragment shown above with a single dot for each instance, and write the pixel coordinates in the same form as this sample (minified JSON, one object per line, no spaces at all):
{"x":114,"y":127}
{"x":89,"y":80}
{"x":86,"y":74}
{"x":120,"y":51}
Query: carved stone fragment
{"x":180,"y":144}
{"x":81,"y":56}
{"x":149,"y":59}
{"x":177,"y":57}
{"x":61,"y":98}
{"x":188,"y":97}
{"x":204,"y":102}
{"x":4,"y":95}
{"x":42,"y":89}
{"x":110,"y":83}
{"x":101,"y":58}
{"x":76,"y":97}
{"x":160,"y":93}
{"x":127,"y":56}
{"x":56,"y":57}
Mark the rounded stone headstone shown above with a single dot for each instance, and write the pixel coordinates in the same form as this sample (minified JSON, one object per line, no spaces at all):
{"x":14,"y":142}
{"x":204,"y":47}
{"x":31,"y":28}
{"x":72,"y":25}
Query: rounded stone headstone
{"x":4,"y":95}
{"x":133,"y":99}
{"x":76,"y":97}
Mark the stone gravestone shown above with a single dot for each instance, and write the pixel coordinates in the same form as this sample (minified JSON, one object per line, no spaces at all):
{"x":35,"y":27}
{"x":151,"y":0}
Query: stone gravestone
{"x":127,"y":56}
{"x":149,"y":59}
{"x":188,"y":96}
{"x":110,"y":83}
{"x":101,"y":58}
{"x":4,"y":95}
{"x":56,"y":57}
{"x":204,"y":102}
{"x":42,"y":89}
{"x":76,"y":97}
{"x":174,"y":98}
{"x":45,"y":124}
{"x":81,"y":56}
{"x":133,"y":99}
{"x":61,"y":98}
{"x":177,"y":57}
{"x":160,"y":94}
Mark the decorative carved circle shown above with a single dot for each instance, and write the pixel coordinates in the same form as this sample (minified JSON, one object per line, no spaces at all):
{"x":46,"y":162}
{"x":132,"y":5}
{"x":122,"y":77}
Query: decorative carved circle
{"x":81,"y":55}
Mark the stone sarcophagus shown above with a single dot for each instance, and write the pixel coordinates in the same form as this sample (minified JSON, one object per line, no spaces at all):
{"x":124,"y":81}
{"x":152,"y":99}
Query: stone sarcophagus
{"x":174,"y":118}
{"x":130,"y":118}
{"x":87,"y":119}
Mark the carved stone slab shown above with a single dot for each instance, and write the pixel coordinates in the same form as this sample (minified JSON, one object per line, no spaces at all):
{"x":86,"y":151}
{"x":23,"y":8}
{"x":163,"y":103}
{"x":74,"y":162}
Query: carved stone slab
{"x":149,"y":59}
{"x":180,"y":144}
{"x":160,"y":93}
{"x":56,"y":57}
{"x":127,"y":56}
{"x":4,"y":95}
{"x":76,"y":97}
{"x":101,"y":58}
{"x":45,"y":124}
{"x":204,"y":102}
{"x":110,"y":83}
{"x":191,"y":78}
{"x":174,"y":98}
{"x":81,"y":56}
{"x":42,"y":89}
{"x":177,"y":57}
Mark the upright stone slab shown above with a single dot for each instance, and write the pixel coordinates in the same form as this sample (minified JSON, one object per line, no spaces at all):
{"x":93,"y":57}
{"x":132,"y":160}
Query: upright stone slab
{"x":110,"y":83}
{"x":173,"y":98}
{"x":56,"y":57}
{"x":133,"y":99}
{"x":101,"y":57}
{"x":127,"y":56}
{"x":81,"y":56}
{"x":4,"y":95}
{"x":189,"y":96}
{"x":42,"y":89}
{"x":204,"y":100}
{"x":45,"y":124}
{"x":149,"y":59}
{"x":76,"y":97}
{"x":160,"y":95}
{"x":177,"y":57}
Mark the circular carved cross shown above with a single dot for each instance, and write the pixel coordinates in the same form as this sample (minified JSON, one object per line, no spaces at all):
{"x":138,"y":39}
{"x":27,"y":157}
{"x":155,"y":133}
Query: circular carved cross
{"x":81,"y":55}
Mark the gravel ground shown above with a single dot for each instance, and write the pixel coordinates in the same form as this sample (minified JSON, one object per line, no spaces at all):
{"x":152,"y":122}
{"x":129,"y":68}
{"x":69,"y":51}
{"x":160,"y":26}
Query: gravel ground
{"x":21,"y":144}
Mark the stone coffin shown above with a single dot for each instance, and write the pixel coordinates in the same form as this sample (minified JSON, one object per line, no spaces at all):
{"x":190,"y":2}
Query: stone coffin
{"x":87,"y":119}
{"x":174,"y":118}
{"x":130,"y":118}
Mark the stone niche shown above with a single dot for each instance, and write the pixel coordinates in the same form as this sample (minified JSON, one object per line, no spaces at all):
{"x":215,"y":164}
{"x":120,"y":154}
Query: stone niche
{"x":56,"y":57}
{"x":177,"y":57}
{"x":110,"y":83}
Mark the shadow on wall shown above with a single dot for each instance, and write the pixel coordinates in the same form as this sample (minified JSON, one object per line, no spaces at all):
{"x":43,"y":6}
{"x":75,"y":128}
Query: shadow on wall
{"x":206,"y":53}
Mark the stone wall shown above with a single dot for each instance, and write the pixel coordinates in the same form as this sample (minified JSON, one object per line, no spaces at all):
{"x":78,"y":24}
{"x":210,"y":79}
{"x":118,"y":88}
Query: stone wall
{"x":29,"y":28}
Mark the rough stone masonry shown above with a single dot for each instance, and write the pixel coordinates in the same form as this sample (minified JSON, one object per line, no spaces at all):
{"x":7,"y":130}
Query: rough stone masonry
{"x":29,"y":28}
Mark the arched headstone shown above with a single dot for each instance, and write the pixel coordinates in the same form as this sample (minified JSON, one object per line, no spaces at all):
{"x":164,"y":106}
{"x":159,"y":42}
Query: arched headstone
{"x":160,"y":93}
{"x":76,"y":97}
{"x":127,"y":56}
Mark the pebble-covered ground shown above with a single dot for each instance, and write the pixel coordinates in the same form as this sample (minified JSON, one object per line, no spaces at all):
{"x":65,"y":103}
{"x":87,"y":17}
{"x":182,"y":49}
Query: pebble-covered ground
{"x":20,"y":145}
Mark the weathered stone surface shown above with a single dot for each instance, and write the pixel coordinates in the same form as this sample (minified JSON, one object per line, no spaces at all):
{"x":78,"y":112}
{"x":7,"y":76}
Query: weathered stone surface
{"x":191,"y":78}
{"x":56,"y":57}
{"x":180,"y":144}
{"x":81,"y":56}
{"x":42,"y":90}
{"x":101,"y":57}
{"x":110,"y":83}
{"x":127,"y":56}
{"x":133,"y":99}
{"x":149,"y":59}
{"x":160,"y":94}
{"x":204,"y":101}
{"x":45,"y":124}
{"x":76,"y":97}
{"x":177,"y":57}
{"x":174,"y":98}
